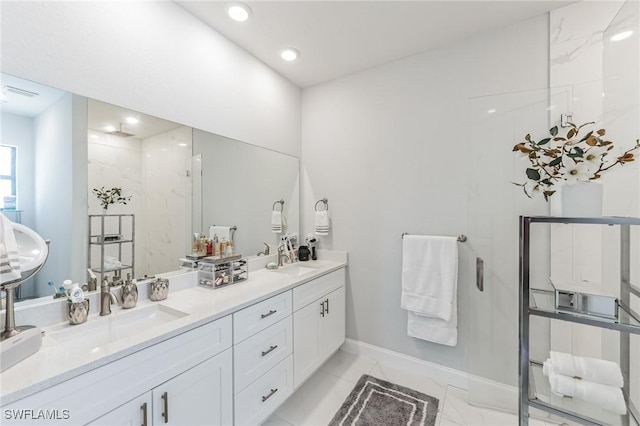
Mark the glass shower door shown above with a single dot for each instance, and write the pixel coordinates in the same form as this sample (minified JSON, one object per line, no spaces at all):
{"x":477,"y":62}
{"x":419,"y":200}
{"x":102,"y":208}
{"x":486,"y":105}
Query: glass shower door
{"x":495,"y":203}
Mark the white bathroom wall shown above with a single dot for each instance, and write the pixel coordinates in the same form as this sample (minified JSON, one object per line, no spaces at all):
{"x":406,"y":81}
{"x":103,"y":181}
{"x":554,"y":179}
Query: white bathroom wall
{"x":389,"y":149}
{"x":56,"y":157}
{"x":152,"y":57}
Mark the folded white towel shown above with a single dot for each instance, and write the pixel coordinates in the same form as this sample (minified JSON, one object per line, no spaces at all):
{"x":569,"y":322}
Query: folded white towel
{"x":9,"y":258}
{"x":276,"y":221}
{"x":592,"y":369}
{"x":604,"y":396}
{"x":429,"y":275}
{"x":429,"y":287}
{"x":322,"y":223}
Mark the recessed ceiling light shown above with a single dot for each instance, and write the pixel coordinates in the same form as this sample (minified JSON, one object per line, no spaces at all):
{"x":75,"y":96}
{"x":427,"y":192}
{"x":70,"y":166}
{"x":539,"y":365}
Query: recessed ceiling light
{"x":109,"y":128}
{"x":289,"y":54}
{"x":238,"y":11}
{"x":621,"y":35}
{"x":491,"y":111}
{"x":182,"y":144}
{"x":132,"y":120}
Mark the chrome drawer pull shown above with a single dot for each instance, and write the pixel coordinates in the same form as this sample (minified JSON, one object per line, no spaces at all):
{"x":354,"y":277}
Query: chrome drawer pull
{"x":322,"y":312}
{"x":272,"y":348}
{"x":165,"y":407}
{"x":144,"y":414}
{"x":264,"y":398}
{"x":271,"y":312}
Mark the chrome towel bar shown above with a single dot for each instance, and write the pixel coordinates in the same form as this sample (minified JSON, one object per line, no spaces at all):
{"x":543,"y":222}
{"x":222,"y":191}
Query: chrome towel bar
{"x":461,"y":238}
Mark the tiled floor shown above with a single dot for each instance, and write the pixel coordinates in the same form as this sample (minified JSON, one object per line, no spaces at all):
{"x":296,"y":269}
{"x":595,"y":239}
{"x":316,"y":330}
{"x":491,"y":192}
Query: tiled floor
{"x":316,"y":402}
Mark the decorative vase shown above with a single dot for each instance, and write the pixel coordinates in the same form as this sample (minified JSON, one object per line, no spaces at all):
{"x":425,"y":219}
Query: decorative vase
{"x":582,"y":199}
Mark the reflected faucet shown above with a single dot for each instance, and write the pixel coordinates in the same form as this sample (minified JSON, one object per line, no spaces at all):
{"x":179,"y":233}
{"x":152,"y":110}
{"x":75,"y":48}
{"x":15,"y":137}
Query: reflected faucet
{"x":266,"y":250}
{"x":106,"y":299}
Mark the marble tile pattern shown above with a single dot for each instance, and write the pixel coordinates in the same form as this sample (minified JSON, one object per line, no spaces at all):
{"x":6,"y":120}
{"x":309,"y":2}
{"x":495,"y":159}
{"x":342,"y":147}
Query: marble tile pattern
{"x":166,"y":162}
{"x":317,"y":400}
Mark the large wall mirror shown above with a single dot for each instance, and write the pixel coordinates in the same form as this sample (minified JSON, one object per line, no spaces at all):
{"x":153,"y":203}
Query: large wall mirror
{"x":180,"y":181}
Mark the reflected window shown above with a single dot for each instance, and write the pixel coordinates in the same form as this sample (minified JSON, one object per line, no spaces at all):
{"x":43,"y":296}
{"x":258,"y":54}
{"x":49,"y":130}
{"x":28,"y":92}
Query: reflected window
{"x":8,"y":177}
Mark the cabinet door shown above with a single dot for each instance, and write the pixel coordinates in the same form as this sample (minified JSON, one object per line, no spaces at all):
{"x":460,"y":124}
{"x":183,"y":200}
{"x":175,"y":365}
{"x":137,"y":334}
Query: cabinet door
{"x":133,"y":413}
{"x":201,"y":395}
{"x":307,"y":349}
{"x":332,"y":326}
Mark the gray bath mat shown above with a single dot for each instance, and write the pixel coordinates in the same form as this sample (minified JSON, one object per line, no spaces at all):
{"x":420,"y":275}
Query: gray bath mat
{"x":375,"y":402}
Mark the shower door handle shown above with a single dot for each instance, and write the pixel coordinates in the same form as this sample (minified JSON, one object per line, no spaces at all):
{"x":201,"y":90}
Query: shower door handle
{"x":480,"y":273}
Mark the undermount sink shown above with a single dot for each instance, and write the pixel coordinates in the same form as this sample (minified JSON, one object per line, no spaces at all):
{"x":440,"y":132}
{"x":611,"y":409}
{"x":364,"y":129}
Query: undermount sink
{"x":99,"y":331}
{"x":295,"y":270}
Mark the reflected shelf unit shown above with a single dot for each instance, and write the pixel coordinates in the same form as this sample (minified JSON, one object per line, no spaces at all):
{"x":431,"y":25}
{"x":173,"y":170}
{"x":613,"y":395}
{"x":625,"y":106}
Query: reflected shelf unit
{"x":110,"y":233}
{"x":539,"y":300}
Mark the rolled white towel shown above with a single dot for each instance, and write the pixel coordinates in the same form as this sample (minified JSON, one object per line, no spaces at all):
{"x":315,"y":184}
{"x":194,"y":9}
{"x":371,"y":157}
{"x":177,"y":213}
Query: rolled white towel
{"x":591,"y":369}
{"x":604,"y":396}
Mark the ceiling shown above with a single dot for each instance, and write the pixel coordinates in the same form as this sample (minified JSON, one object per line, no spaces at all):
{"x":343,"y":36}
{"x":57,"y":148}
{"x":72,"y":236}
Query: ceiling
{"x":337,"y":38}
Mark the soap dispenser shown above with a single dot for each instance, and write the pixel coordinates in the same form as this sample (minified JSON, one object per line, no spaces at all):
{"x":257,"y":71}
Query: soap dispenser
{"x":129,"y":293}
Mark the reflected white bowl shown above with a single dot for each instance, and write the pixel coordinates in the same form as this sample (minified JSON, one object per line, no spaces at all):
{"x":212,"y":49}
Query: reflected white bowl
{"x":32,"y":248}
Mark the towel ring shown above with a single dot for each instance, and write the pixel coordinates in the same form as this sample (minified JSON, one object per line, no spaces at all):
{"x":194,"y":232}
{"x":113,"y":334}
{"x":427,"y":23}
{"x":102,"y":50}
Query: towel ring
{"x":324,"y":201}
{"x":281,"y":202}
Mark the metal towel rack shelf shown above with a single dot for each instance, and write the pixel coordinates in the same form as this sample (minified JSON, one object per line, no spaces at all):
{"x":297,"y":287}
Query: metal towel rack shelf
{"x":461,"y":238}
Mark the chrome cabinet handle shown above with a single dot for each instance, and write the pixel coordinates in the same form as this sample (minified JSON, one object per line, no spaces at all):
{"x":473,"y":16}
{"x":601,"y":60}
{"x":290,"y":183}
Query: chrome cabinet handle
{"x":144,"y":414}
{"x":271,"y":312}
{"x":264,"y":398}
{"x":327,"y":302}
{"x":480,"y":273}
{"x":272,"y":348}
{"x":165,"y":407}
{"x":322,"y":311}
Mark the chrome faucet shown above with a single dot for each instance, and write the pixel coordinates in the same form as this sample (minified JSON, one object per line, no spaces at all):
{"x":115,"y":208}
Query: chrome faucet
{"x":106,"y":298}
{"x":281,"y":255}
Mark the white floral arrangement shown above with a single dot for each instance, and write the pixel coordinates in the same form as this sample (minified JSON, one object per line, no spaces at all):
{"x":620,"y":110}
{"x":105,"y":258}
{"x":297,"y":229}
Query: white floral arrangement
{"x":568,"y":159}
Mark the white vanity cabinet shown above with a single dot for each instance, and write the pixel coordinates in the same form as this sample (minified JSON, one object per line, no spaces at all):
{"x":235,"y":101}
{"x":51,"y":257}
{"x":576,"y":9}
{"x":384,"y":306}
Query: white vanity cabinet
{"x":200,"y":395}
{"x":263,"y":360}
{"x":199,"y":359}
{"x":318,"y":323}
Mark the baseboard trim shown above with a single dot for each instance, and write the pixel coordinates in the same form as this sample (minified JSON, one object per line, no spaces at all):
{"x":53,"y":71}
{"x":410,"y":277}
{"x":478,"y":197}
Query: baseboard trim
{"x":498,"y":395}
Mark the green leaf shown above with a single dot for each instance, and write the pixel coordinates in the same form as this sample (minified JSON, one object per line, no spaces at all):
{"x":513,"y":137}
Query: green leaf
{"x":579,"y":151}
{"x":528,"y":137}
{"x":533,"y":174}
{"x":556,"y":162}
{"x":553,"y":130}
{"x":571,"y":133}
{"x":544,"y":141}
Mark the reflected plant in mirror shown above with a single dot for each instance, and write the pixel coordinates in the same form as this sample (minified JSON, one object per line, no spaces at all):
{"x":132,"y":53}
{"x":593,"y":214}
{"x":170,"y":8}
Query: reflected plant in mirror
{"x":110,"y":196}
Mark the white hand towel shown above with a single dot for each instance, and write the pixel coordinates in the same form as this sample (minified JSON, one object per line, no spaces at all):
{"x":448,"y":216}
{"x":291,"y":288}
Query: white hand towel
{"x":276,"y":221}
{"x":604,"y":396}
{"x":322,"y":223}
{"x":429,"y":287}
{"x":9,"y":258}
{"x":223,"y":232}
{"x":591,"y":369}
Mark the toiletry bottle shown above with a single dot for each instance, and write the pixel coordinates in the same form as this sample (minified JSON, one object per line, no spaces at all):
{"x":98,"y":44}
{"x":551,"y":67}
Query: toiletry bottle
{"x":68,"y":284}
{"x":76,"y":294}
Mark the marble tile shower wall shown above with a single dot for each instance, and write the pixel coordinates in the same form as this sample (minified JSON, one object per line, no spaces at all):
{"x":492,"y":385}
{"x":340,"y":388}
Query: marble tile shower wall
{"x":577,"y":86}
{"x":154,"y":172}
{"x":167,"y":189}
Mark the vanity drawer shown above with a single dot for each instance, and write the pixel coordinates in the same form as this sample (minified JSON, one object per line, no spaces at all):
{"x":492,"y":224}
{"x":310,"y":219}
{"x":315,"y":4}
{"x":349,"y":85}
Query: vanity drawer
{"x":313,"y":290}
{"x":261,"y":352}
{"x":258,"y":401}
{"x":256,"y":318}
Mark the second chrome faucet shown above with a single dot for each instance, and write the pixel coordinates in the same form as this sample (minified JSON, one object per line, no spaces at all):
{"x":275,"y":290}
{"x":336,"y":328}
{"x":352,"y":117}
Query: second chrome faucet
{"x":106,"y":298}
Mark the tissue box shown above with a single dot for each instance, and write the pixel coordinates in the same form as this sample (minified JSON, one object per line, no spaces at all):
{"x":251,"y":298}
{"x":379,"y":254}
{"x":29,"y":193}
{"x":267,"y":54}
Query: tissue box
{"x":584,"y":297}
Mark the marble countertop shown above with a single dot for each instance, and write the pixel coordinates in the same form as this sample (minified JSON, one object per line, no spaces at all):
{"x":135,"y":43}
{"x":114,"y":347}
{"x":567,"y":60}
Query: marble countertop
{"x":56,"y":362}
